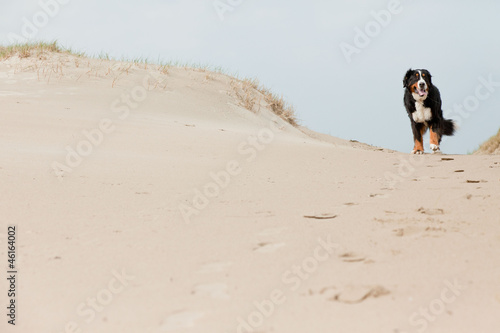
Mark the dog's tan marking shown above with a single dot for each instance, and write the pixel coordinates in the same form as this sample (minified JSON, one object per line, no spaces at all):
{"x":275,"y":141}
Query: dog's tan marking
{"x":413,"y":87}
{"x":419,"y":144}
{"x":434,"y":138}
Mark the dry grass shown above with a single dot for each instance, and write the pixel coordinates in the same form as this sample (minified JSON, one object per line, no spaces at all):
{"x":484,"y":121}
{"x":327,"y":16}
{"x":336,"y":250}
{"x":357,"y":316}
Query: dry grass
{"x":246,"y":93}
{"x":280,"y":106}
{"x":250,"y":93}
{"x":164,"y":69}
{"x":29,"y":50}
{"x":492,"y":146}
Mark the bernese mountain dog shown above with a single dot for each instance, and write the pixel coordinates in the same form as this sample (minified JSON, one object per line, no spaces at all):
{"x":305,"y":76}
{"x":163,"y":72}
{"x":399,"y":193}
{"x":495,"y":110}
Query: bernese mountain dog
{"x":423,"y":104}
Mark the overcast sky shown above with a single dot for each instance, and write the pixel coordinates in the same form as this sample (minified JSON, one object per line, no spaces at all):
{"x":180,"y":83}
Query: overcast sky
{"x":342,"y":82}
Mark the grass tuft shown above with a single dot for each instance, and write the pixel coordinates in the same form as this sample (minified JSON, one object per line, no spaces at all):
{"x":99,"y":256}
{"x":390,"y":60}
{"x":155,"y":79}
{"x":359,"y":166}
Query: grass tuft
{"x":280,"y":106}
{"x":491,"y":146}
{"x":29,"y":49}
{"x":247,"y":91}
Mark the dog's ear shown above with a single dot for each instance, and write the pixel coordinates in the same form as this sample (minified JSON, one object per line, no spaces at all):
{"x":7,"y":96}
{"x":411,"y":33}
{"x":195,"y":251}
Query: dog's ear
{"x":407,"y":76}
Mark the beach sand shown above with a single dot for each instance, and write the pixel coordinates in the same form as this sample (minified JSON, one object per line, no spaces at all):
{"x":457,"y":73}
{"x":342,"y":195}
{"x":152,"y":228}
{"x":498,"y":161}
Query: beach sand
{"x":149,"y":199}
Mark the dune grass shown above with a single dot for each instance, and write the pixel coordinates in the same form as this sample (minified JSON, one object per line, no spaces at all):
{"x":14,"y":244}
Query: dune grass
{"x":279,"y":106}
{"x":248,"y":91}
{"x":491,"y":146}
{"x":30,"y":49}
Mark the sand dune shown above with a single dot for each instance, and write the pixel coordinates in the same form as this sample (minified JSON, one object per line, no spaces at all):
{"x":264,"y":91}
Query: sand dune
{"x":149,"y":199}
{"x":491,"y":146}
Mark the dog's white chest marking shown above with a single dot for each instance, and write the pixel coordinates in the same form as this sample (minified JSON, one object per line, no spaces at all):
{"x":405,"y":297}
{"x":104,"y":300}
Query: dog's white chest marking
{"x":422,"y":114}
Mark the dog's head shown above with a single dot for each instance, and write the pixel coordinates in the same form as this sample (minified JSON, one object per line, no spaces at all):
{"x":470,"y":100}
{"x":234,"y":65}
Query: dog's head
{"x":418,"y":82}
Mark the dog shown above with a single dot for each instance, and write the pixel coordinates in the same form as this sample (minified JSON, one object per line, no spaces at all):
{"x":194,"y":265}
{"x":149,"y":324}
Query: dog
{"x":423,"y":103}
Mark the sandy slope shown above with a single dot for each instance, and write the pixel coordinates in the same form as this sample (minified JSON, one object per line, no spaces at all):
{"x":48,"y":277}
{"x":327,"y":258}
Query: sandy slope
{"x":491,"y":146}
{"x":185,"y":212}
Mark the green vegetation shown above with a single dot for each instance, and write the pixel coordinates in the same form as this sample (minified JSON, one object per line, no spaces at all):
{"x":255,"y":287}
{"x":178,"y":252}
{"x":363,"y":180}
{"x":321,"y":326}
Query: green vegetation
{"x":29,"y":49}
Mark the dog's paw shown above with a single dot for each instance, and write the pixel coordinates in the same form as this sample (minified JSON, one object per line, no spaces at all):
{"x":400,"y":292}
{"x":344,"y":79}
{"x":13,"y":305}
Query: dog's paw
{"x":417,"y":152}
{"x":435,"y":149}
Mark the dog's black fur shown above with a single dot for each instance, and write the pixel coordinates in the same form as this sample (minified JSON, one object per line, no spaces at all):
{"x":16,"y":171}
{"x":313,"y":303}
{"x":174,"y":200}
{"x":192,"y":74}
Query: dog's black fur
{"x":430,"y":98}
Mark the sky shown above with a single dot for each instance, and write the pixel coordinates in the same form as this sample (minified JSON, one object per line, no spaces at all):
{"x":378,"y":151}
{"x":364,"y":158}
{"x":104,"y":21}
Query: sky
{"x":340,"y":63}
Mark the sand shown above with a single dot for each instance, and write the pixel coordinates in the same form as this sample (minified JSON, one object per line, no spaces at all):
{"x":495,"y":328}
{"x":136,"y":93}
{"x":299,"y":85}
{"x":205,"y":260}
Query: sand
{"x":491,"y":146}
{"x":150,"y":201}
